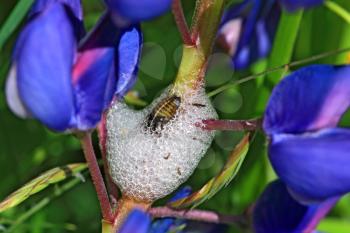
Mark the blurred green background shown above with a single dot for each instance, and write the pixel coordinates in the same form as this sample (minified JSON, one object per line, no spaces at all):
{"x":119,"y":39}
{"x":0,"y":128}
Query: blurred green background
{"x":27,"y":148}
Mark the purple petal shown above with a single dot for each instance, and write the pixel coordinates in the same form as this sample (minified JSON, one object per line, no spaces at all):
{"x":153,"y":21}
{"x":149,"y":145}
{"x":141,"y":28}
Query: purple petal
{"x":107,"y":64}
{"x":128,"y":58}
{"x":247,"y":31}
{"x":264,"y":42}
{"x":311,"y":98}
{"x":136,"y":222}
{"x":136,"y":10}
{"x":44,"y":59}
{"x":182,"y":193}
{"x":237,"y":11}
{"x":313,"y":165}
{"x":73,"y":8}
{"x":229,"y":35}
{"x":293,"y":5}
{"x":277,"y":211}
{"x":74,"y":5}
{"x":93,"y":73}
{"x":242,"y":57}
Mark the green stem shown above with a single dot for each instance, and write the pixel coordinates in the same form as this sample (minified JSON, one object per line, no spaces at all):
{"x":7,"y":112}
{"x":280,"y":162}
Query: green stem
{"x":205,"y":24}
{"x":191,"y":69}
{"x":14,"y":20}
{"x":96,"y":176}
{"x":284,"y":43}
{"x":181,"y":22}
{"x":195,"y":58}
{"x":107,"y":227}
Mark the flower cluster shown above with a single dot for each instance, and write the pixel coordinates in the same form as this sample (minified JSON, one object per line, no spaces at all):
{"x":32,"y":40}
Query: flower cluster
{"x":247,"y":29}
{"x":67,"y":79}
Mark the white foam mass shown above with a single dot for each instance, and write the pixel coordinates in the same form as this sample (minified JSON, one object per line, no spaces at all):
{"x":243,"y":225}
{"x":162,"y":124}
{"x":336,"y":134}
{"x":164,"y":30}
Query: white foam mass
{"x":147,"y":166}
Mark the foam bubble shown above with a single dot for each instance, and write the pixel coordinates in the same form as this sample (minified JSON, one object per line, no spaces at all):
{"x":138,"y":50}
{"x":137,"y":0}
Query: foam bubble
{"x":148,"y":164}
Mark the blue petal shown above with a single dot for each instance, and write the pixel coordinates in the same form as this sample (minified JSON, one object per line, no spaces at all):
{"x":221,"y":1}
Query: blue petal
{"x":277,"y":212}
{"x":311,"y":98}
{"x":94,"y":75}
{"x":44,"y":59}
{"x":256,"y":30}
{"x":264,"y":42}
{"x":182,"y":193}
{"x":41,"y":5}
{"x":136,"y":222}
{"x":293,"y":5}
{"x":107,"y":65}
{"x":237,"y":11}
{"x":315,"y":166}
{"x":128,"y":58}
{"x":242,"y":57}
{"x":73,"y":8}
{"x":136,"y":10}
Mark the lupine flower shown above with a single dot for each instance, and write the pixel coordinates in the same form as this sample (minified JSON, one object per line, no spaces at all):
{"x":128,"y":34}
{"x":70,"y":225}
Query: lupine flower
{"x":307,"y":149}
{"x":63,"y":85}
{"x":136,"y":10}
{"x":248,"y":29}
{"x":277,"y":212}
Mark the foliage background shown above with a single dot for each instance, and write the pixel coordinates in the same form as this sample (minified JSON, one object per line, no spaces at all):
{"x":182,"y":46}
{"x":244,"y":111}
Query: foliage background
{"x":27,"y":148}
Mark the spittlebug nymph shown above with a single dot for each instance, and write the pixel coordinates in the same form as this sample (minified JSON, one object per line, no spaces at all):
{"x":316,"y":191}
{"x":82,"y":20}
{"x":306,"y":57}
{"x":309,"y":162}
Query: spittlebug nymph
{"x":164,"y":112}
{"x":153,"y":151}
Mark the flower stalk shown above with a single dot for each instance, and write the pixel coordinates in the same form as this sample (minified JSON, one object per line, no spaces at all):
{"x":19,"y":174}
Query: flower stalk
{"x":198,"y":215}
{"x":97,"y":179}
{"x":232,"y":125}
{"x":195,"y":57}
{"x":181,"y":22}
{"x":196,"y":51}
{"x":102,"y":135}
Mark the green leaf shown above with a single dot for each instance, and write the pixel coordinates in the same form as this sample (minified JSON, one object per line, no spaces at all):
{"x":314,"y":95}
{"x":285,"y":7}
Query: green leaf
{"x":13,"y":21}
{"x":334,"y":225}
{"x":52,"y":176}
{"x":177,"y":229}
{"x":343,"y":58}
{"x":214,"y":185}
{"x":339,"y":10}
{"x":284,"y":43}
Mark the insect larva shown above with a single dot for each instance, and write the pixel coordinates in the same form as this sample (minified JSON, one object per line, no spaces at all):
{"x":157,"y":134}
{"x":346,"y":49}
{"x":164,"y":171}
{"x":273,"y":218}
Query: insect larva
{"x":164,"y":112}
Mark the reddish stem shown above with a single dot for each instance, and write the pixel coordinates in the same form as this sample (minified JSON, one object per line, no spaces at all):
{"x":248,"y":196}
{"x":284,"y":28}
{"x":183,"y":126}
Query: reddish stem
{"x":232,"y":125}
{"x":102,"y":135}
{"x":96,"y":176}
{"x":181,"y":22}
{"x":198,"y":215}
